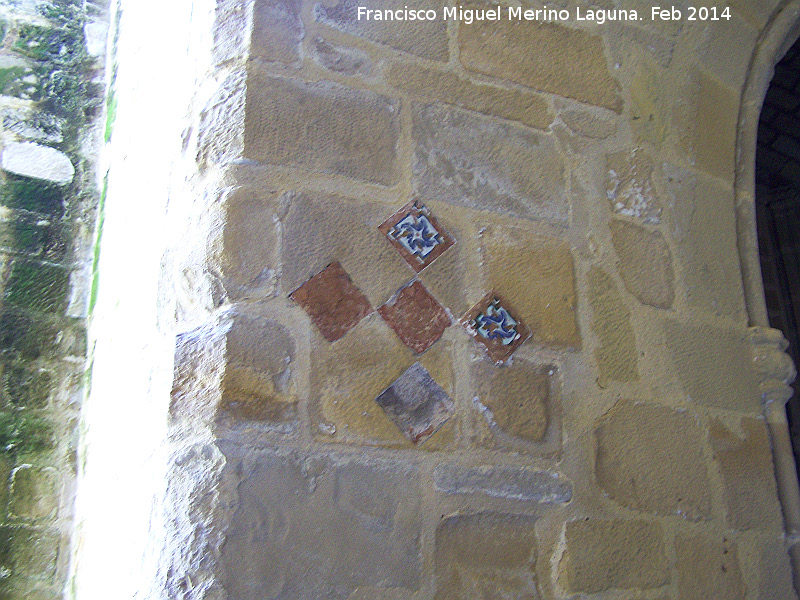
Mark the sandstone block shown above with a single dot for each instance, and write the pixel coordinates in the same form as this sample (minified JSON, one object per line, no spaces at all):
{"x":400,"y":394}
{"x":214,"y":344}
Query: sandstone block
{"x":645,"y":263}
{"x":427,"y":39}
{"x":715,"y":130}
{"x":486,"y":555}
{"x":611,"y":321}
{"x":746,"y":465}
{"x":277,"y":31}
{"x":714,"y":366}
{"x":472,"y":161}
{"x":319,"y":229}
{"x":536,"y":275}
{"x":593,"y":126}
{"x":340,"y":59}
{"x":321,"y":126}
{"x":514,"y":105}
{"x":523,"y":484}
{"x":34,"y":492}
{"x":776,"y":573}
{"x":575,"y":67}
{"x":602,"y":555}
{"x":650,"y":109}
{"x":515,"y":398}
{"x":250,"y":245}
{"x":708,"y":568}
{"x":304,"y":527}
{"x":37,"y":161}
{"x":650,"y":458}
{"x":629,"y":186}
{"x":258,"y":384}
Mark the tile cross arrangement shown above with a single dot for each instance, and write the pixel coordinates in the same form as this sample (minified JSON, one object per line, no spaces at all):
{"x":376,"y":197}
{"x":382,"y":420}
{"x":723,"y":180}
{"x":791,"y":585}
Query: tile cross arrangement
{"x":416,"y":317}
{"x":417,"y":235}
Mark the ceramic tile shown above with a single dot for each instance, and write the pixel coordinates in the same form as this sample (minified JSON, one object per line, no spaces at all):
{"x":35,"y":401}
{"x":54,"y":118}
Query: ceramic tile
{"x":416,"y":317}
{"x":417,"y":235}
{"x":416,"y":404}
{"x":492,"y":323}
{"x":333,"y":302}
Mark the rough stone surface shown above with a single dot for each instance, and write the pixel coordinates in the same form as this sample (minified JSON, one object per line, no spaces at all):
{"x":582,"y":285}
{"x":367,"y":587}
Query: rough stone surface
{"x":37,"y":161}
{"x":629,"y":186}
{"x":469,"y":160}
{"x":416,"y":404}
{"x":650,"y":458}
{"x":416,"y":317}
{"x":319,"y":229}
{"x":29,"y":552}
{"x":708,"y":568}
{"x":258,"y":384}
{"x":514,"y":105}
{"x":341,"y":60}
{"x":277,"y":31}
{"x":602,"y":555}
{"x":645,"y":263}
{"x":305,"y":527}
{"x":536,"y":275}
{"x":334,"y":304}
{"x":715,"y":133}
{"x":714,"y":366}
{"x":575,"y":66}
{"x":250,"y":245}
{"x":523,"y":484}
{"x":34,"y":492}
{"x":746,"y":466}
{"x":588,"y":124}
{"x":356,"y":138}
{"x":611,"y":322}
{"x":427,"y":39}
{"x":515,"y":398}
{"x":486,"y":555}
{"x":776,"y":573}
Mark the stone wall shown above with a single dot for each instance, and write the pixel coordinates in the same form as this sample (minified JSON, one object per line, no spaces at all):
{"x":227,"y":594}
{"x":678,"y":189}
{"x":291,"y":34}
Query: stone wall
{"x":460,"y":314}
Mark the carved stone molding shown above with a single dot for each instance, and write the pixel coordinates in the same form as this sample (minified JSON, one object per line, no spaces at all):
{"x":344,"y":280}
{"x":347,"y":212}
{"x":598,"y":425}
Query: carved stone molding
{"x":774,"y":368}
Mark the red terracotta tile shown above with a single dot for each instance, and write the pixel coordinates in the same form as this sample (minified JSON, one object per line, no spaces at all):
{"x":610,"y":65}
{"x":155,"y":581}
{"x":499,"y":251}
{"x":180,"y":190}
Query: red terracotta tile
{"x":492,"y":323}
{"x":416,"y":317}
{"x":333,"y":302}
{"x":417,"y":235}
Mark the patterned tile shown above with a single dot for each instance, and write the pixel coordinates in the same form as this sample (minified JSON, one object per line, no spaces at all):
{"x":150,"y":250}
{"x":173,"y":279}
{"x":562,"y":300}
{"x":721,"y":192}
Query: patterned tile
{"x":417,"y":235}
{"x":416,"y":317}
{"x":333,"y":302}
{"x":491,"y":322}
{"x":416,"y":404}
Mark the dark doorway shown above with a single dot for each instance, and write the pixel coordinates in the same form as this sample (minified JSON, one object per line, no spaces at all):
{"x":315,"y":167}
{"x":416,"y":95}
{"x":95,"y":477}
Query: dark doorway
{"x":778,"y":212}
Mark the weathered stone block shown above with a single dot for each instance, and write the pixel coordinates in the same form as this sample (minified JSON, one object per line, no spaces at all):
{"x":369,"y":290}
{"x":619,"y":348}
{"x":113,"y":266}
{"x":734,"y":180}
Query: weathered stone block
{"x":341,"y":60}
{"x":645,"y":263}
{"x":650,"y":458}
{"x":323,"y":127}
{"x":250,"y":245}
{"x":34,"y":236}
{"x":515,"y":398}
{"x":746,"y":466}
{"x":472,"y":161}
{"x":776,"y":573}
{"x":29,"y":552}
{"x":611,"y":321}
{"x":35,"y":160}
{"x":575,"y":67}
{"x":523,"y":484}
{"x":651,"y":111}
{"x":29,"y":337}
{"x":714,"y":366}
{"x":708,"y":568}
{"x":34,"y":492}
{"x":318,"y":230}
{"x":602,"y":555}
{"x":514,"y":105}
{"x":37,"y":286}
{"x":427,"y":39}
{"x":629,"y":186}
{"x":277,"y":31}
{"x":590,"y":125}
{"x":258,"y":384}
{"x":26,"y":387}
{"x":486,"y":555}
{"x":537,"y":276}
{"x":306,"y":528}
{"x":715,"y":129}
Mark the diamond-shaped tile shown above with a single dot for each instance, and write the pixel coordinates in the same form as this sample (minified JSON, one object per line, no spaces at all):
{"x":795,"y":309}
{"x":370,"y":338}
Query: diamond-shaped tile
{"x":333,"y":302}
{"x":492,"y":323}
{"x":416,"y":404}
{"x":416,"y":317}
{"x":417,"y":235}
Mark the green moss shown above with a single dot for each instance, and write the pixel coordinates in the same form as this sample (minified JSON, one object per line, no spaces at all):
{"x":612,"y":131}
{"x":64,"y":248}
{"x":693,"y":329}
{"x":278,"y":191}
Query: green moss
{"x":37,"y":286}
{"x":26,"y":387}
{"x":12,"y":83}
{"x":96,"y":249}
{"x":32,"y":194}
{"x":22,"y":432}
{"x":111,"y":115}
{"x":26,"y":337}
